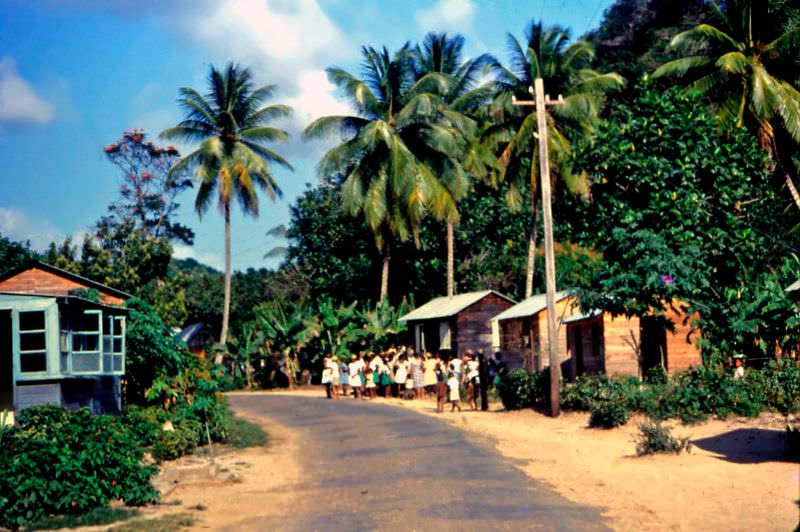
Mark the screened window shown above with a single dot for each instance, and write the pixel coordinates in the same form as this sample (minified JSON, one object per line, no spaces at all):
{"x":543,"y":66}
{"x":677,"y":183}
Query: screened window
{"x":113,"y":343}
{"x":86,"y":342}
{"x":32,"y":342}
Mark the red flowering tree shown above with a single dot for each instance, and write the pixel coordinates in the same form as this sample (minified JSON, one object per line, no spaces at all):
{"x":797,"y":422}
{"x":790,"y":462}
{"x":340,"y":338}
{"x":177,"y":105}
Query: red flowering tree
{"x":147,"y":191}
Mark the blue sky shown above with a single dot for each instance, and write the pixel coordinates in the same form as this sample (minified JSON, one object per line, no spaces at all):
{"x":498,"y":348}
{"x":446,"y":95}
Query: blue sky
{"x":75,"y":74}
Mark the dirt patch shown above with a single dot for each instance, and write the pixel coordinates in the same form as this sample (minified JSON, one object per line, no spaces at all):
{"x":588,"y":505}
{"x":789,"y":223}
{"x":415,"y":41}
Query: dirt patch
{"x":239,"y":485}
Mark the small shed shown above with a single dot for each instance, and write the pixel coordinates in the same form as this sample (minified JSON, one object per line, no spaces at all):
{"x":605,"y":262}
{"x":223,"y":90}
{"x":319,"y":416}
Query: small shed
{"x":523,"y":331}
{"x":195,"y":336}
{"x":598,"y":342}
{"x":457,"y":323}
{"x":62,"y":340}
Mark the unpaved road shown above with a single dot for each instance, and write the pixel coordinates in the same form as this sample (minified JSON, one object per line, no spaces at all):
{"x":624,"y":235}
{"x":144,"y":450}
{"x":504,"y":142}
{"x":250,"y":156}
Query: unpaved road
{"x":378,"y":467}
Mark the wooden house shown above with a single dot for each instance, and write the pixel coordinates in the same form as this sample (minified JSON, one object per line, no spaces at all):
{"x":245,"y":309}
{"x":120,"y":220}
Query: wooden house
{"x":195,"y":336}
{"x":601,"y":343}
{"x":457,"y":323}
{"x":523,"y":331}
{"x":62,"y":340}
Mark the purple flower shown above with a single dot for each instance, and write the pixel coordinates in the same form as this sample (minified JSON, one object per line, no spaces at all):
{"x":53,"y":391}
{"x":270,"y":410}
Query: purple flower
{"x":667,"y":278}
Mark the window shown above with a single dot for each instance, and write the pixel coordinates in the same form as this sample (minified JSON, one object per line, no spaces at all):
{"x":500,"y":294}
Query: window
{"x":113,"y":343}
{"x":32,"y":342}
{"x":86,"y":342}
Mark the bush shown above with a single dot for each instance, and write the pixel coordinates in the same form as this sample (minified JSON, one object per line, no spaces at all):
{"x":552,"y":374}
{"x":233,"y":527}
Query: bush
{"x":61,"y":462}
{"x":172,"y":444}
{"x":589,"y":390}
{"x":144,"y":422}
{"x":520,"y":389}
{"x":655,"y":438}
{"x":610,"y":413}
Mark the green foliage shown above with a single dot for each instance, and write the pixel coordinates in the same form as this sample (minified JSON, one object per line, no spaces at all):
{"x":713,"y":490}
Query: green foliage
{"x":520,"y":389}
{"x":690,"y":395}
{"x":655,"y":438}
{"x":144,"y":422}
{"x":588,"y":390}
{"x":153,"y":352}
{"x":609,"y":413}
{"x":93,"y":517}
{"x":172,"y":444}
{"x":61,"y":462}
{"x":690,"y":218}
{"x":14,"y":254}
{"x":243,"y":433}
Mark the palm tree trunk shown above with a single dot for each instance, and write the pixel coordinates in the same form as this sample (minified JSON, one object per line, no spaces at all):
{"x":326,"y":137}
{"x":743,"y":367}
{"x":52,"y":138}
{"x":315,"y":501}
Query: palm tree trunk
{"x":226,"y":305}
{"x":532,"y":250}
{"x":387,"y":256}
{"x":792,"y":188}
{"x":451,"y":283}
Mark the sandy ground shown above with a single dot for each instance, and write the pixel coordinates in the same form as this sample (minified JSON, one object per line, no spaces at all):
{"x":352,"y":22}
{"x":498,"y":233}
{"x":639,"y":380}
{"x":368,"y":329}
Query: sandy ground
{"x":239,"y":485}
{"x":737,"y":476}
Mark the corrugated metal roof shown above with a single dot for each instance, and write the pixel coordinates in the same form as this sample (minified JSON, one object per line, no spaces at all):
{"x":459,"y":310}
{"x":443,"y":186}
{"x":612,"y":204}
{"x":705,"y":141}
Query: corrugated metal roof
{"x":529,"y":307}
{"x":794,"y":286}
{"x":580,"y":316}
{"x":444,"y":307}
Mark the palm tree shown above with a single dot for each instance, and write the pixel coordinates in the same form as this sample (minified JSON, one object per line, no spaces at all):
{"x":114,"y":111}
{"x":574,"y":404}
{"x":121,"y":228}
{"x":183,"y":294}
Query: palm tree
{"x":380,"y":162}
{"x":460,"y":97}
{"x":743,"y":64}
{"x":232,"y":160}
{"x":547,"y":53}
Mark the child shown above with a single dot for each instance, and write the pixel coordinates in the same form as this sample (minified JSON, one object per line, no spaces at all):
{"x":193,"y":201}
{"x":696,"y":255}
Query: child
{"x":455,"y":392}
{"x":440,"y":387}
{"x":369,"y":375}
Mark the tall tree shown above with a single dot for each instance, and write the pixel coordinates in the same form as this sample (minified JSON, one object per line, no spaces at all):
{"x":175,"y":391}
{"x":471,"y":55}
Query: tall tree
{"x":232,"y":161}
{"x":147,"y":190}
{"x":746,"y":63}
{"x":460,"y":96}
{"x":548,"y":54}
{"x":380,"y":163}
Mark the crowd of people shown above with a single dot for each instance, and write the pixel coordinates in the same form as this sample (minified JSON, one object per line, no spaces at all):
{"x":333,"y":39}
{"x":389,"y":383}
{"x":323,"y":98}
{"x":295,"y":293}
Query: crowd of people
{"x":401,"y":372}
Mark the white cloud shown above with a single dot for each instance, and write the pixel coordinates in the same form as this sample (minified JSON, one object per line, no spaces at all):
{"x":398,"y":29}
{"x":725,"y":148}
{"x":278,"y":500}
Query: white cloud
{"x":18,"y":99}
{"x":447,"y":15}
{"x":181,"y":251}
{"x":285,"y":42}
{"x":17,"y":225}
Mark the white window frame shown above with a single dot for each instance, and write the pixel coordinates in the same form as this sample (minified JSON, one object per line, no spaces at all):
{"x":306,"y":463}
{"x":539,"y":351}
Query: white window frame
{"x":98,"y":352}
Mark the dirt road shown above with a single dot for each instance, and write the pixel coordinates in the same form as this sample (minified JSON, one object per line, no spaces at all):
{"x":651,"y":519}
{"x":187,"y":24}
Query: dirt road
{"x":371,"y":466}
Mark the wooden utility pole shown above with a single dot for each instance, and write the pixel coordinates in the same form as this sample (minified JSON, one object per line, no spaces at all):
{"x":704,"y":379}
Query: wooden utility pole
{"x":541,"y":103}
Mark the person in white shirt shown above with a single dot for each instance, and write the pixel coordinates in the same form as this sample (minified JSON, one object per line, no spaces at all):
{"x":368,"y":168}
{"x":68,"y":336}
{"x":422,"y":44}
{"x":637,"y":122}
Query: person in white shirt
{"x":356,"y":367}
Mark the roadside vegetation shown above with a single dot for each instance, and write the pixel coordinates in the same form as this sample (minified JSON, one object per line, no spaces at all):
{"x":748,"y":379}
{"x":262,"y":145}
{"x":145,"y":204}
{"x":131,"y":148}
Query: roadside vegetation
{"x":675,"y":186}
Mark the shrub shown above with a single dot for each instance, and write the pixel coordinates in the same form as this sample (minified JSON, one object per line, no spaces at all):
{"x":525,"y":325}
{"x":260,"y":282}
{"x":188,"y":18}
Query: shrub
{"x":520,"y":389}
{"x":588,"y":390}
{"x":656,"y":438}
{"x":172,"y":444}
{"x":144,"y":422}
{"x":609,"y":413}
{"x":61,"y":462}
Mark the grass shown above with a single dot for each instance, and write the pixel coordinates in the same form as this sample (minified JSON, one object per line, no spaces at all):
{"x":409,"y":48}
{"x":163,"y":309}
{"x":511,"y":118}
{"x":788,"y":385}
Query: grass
{"x":165,"y":523}
{"x":97,"y":516}
{"x":243,"y":433}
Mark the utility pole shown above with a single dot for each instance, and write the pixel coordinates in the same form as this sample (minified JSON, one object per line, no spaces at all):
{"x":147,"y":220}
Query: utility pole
{"x":541,"y":103}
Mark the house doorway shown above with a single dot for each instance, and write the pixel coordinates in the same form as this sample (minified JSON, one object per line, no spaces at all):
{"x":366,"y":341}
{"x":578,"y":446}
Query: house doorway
{"x":653,"y":343}
{"x":6,"y":365}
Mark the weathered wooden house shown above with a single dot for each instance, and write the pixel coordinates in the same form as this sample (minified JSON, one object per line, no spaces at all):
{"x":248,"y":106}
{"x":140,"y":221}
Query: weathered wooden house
{"x":62,"y":340}
{"x":457,"y":323}
{"x":596,"y":342}
{"x":523,"y":331}
{"x":601,"y":343}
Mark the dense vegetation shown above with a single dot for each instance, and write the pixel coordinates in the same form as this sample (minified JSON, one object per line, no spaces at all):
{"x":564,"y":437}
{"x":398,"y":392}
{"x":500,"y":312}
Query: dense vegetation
{"x":674,"y":181}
